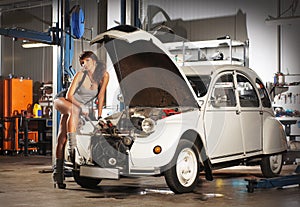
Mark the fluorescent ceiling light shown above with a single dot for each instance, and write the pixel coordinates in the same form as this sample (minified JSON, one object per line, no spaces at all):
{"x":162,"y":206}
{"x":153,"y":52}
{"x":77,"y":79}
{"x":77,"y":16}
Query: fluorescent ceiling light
{"x":34,"y":45}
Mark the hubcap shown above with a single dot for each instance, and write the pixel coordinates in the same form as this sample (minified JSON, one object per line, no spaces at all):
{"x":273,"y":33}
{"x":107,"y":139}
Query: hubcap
{"x":186,"y":167}
{"x":275,"y":163}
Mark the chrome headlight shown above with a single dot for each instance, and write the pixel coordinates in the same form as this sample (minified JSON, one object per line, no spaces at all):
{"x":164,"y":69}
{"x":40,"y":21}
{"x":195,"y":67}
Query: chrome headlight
{"x":148,"y":125}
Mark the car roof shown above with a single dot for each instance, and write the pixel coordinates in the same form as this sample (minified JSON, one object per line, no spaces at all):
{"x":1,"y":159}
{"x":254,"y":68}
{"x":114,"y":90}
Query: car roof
{"x":216,"y":69}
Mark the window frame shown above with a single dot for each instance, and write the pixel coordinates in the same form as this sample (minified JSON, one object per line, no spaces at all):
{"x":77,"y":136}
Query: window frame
{"x":265,"y":101}
{"x":250,"y":103}
{"x":232,"y":102}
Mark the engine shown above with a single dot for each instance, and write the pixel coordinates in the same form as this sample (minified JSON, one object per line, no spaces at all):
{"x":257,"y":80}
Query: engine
{"x":111,"y":147}
{"x":109,"y":151}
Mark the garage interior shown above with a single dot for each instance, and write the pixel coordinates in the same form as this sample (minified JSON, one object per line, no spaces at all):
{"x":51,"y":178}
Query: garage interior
{"x":40,"y":46}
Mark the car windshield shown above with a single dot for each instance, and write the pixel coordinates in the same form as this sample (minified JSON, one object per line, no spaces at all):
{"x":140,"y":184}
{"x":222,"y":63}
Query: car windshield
{"x":199,"y":83}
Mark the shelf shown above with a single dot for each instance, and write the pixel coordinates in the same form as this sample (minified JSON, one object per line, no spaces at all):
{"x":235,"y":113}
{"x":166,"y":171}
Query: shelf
{"x":280,"y":89}
{"x":202,"y":52}
{"x":217,"y":62}
{"x":203,"y":44}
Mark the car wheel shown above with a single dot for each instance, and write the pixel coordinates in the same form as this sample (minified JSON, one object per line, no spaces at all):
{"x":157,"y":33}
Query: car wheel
{"x":182,"y":174}
{"x":271,"y":165}
{"x":85,"y":182}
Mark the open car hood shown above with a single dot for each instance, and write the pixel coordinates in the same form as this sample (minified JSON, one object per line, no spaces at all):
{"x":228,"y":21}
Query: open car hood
{"x":147,"y":75}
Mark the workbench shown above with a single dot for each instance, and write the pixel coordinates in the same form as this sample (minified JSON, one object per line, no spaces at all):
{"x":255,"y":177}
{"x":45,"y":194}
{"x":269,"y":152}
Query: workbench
{"x":26,"y":134}
{"x":292,"y":131}
{"x":44,"y":128}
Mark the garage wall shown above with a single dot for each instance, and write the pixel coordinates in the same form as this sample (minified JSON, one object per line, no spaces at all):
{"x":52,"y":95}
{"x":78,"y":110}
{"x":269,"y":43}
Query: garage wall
{"x":262,"y":37}
{"x":37,"y":63}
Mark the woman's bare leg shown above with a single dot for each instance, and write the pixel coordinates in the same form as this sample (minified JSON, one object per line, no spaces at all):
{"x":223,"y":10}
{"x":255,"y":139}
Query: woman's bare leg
{"x":68,"y":126}
{"x":66,"y":107}
{"x":62,"y":137}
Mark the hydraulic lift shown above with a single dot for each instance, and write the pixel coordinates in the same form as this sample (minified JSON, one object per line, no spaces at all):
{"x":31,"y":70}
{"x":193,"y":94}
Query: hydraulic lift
{"x":9,"y":137}
{"x":61,"y":34}
{"x":278,"y":182}
{"x":43,"y":37}
{"x":281,"y":181}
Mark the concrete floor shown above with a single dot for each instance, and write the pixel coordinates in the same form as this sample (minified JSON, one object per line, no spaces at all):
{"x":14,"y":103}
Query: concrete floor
{"x":27,"y":181}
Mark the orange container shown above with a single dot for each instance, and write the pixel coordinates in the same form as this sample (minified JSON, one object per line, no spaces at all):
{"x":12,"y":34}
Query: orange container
{"x":15,"y":96}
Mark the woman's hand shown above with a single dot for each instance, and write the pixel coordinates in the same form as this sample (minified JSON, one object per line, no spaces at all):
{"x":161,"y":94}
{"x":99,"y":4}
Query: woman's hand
{"x":84,"y":110}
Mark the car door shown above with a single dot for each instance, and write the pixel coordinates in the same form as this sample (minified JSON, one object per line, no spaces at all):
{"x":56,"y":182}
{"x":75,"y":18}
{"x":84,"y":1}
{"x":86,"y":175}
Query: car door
{"x":222,"y":121}
{"x":250,"y":114}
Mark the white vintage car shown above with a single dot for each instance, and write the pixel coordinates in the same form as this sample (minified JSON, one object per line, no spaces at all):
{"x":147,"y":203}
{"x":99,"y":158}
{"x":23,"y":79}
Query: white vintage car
{"x":176,"y":121}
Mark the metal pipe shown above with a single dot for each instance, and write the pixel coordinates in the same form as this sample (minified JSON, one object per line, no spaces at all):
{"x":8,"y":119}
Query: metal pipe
{"x":13,"y":56}
{"x":123,"y":11}
{"x":102,"y":16}
{"x":14,"y":8}
{"x":25,"y":136}
{"x":292,"y":74}
{"x":136,"y":14}
{"x":278,"y":37}
{"x":56,"y":51}
{"x":1,"y":64}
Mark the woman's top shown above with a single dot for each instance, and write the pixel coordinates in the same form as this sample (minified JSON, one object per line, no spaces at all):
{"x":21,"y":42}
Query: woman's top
{"x":84,"y":95}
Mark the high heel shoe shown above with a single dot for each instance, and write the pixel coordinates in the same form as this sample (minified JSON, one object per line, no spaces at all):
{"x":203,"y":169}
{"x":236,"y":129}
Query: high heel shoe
{"x":58,"y":174}
{"x":58,"y":180}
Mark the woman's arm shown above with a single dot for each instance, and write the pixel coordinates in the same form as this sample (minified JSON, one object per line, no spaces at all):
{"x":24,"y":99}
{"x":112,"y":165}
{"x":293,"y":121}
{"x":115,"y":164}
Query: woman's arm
{"x":72,"y":88}
{"x":101,"y":94}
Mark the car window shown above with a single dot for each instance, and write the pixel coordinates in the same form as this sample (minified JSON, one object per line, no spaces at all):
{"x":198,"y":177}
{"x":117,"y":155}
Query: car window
{"x":199,"y":84}
{"x":263,"y":94}
{"x":247,"y":93}
{"x":223,"y":92}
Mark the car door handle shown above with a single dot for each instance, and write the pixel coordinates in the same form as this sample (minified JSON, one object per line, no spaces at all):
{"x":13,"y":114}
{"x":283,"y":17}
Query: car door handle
{"x":261,"y":112}
{"x":237,"y":112}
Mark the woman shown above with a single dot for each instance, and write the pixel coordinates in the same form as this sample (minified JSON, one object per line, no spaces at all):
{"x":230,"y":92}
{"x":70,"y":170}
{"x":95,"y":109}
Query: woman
{"x":87,"y":84}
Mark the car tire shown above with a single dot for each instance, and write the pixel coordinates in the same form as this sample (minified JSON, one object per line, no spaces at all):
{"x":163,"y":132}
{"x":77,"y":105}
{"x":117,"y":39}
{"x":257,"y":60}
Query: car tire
{"x":85,"y":182}
{"x":182,"y":174}
{"x":271,"y":165}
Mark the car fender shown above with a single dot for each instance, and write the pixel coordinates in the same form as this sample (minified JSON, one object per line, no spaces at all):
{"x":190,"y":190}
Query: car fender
{"x":274,"y":138}
{"x":194,"y":137}
{"x":167,"y":135}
